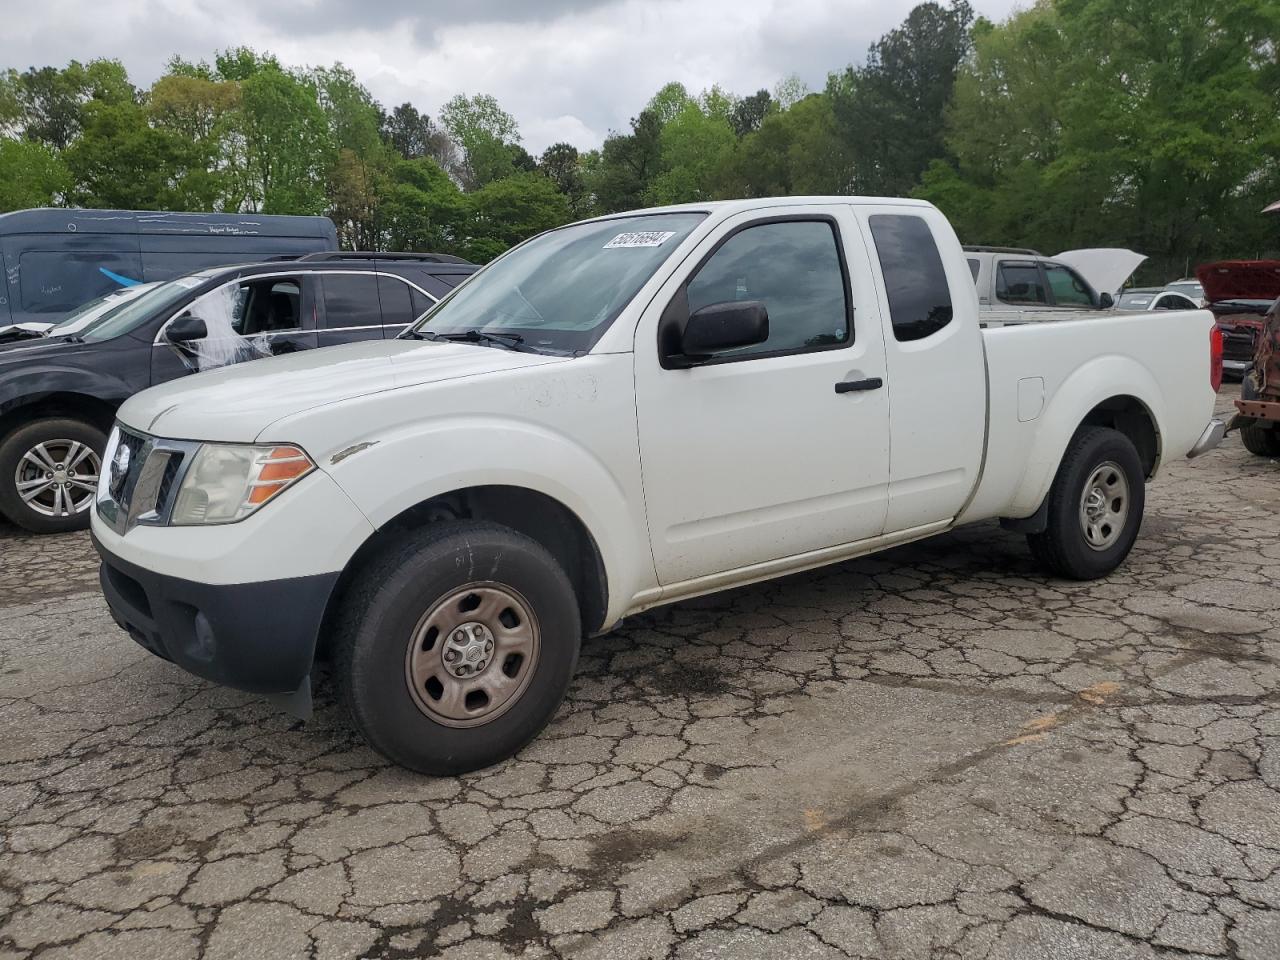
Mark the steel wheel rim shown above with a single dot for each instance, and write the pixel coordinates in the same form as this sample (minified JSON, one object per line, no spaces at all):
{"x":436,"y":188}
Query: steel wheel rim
{"x":58,"y":478}
{"x":1104,"y":506}
{"x":472,"y":655}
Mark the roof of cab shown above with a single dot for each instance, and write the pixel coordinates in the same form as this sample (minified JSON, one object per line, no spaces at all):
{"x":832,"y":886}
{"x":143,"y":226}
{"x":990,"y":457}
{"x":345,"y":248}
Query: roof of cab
{"x":60,"y":220}
{"x":729,"y":207}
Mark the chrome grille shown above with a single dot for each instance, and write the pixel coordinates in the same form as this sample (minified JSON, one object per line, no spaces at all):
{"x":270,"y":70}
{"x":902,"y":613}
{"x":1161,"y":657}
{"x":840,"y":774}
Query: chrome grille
{"x":140,"y":478}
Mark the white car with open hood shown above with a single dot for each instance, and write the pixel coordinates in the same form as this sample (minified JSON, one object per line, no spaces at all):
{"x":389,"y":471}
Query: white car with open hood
{"x":617,"y":414}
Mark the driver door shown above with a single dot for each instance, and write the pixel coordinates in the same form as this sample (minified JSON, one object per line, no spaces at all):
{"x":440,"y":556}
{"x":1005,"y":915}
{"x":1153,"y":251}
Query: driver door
{"x":756,"y":454}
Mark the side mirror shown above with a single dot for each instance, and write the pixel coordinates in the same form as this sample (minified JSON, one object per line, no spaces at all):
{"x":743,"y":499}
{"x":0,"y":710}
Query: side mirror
{"x":1106,"y":301}
{"x":724,"y":326}
{"x":185,"y":329}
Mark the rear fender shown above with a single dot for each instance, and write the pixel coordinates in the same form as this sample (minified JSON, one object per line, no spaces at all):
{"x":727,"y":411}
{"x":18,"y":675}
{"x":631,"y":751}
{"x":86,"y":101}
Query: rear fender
{"x":1094,"y":383}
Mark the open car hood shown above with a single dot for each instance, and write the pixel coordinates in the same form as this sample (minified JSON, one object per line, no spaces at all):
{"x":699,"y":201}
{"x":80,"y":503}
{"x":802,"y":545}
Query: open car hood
{"x":1105,"y":268}
{"x":1240,"y":280}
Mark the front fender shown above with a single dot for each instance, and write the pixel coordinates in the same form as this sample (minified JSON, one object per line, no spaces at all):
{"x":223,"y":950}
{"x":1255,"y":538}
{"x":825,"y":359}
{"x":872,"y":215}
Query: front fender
{"x":438,"y":457}
{"x":1093,"y":383}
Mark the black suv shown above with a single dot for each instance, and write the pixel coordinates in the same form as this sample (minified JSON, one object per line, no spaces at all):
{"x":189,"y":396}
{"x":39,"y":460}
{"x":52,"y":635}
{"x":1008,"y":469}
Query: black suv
{"x":59,"y":393}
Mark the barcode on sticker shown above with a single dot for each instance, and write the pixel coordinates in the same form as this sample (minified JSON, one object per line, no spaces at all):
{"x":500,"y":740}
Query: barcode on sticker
{"x":651,"y":238}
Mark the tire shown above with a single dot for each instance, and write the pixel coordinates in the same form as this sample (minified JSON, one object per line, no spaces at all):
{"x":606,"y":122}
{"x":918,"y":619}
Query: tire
{"x":49,"y":447}
{"x":1100,"y":471}
{"x":400,"y":686}
{"x":1261,"y":440}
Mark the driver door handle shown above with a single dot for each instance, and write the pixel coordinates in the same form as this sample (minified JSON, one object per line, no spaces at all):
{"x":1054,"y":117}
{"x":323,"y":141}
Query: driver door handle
{"x":852,"y":386}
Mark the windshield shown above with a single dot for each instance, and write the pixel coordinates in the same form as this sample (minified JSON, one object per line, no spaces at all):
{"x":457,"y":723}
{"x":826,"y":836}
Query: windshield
{"x":559,"y":292}
{"x":123,"y":318}
{"x":98,"y":307}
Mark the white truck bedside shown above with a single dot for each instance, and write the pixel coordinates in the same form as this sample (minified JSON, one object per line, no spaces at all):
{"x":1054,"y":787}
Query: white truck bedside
{"x":617,"y":414}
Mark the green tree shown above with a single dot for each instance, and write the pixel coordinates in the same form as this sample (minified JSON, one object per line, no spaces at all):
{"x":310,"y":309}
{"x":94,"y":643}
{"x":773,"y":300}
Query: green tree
{"x":892,"y":109}
{"x":421,"y":208}
{"x":749,"y":112}
{"x":1142,"y":123}
{"x":563,"y":166}
{"x":288,"y":146}
{"x":693,"y":146}
{"x":486,"y":133}
{"x":120,"y":160}
{"x":47,"y":104}
{"x":413,"y":134}
{"x":620,"y":178}
{"x":361,"y":159}
{"x":31,"y":175}
{"x":508,"y":211}
{"x":795,"y":151}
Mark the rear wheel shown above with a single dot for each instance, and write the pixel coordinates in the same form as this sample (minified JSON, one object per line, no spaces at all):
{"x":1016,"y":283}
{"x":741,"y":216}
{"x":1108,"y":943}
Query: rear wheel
{"x":1260,"y":439}
{"x":1095,"y":506}
{"x":456,"y":645}
{"x":49,"y":472}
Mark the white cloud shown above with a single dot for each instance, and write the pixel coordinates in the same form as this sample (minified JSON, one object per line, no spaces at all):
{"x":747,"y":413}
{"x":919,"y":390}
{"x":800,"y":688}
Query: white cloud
{"x":568,"y":69}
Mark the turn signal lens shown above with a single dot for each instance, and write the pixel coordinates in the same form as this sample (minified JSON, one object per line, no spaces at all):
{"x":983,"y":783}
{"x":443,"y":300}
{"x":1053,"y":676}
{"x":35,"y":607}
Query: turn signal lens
{"x":226,"y":483}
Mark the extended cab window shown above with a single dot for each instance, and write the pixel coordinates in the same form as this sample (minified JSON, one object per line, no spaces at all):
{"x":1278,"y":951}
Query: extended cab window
{"x":1068,"y":289}
{"x":794,"y":268}
{"x":351,"y":300}
{"x":914,"y":278}
{"x":1020,"y":282}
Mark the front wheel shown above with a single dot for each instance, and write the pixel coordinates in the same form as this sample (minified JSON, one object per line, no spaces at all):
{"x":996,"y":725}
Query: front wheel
{"x":49,"y":473}
{"x":455,"y":646}
{"x":1095,"y":506}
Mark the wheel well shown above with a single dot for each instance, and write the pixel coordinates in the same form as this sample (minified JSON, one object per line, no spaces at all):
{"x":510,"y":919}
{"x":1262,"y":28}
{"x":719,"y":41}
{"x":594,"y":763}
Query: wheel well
{"x":536,"y":515}
{"x":78,"y":406}
{"x":1131,"y":417}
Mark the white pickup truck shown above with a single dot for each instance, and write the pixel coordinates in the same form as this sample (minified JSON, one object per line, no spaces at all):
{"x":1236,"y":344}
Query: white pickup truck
{"x":617,"y":414}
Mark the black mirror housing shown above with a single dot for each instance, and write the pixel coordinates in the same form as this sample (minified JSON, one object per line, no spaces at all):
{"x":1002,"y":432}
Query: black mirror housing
{"x":724,"y":326}
{"x":1106,"y":301}
{"x":185,"y":329}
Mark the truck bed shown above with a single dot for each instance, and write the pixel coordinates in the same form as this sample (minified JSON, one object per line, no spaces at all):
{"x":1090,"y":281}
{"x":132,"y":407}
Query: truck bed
{"x":1044,"y":378}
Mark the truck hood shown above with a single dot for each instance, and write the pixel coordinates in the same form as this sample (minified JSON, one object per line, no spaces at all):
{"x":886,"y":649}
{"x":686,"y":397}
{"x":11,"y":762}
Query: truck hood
{"x":234,"y":404}
{"x":1105,"y":268}
{"x":1240,"y":280}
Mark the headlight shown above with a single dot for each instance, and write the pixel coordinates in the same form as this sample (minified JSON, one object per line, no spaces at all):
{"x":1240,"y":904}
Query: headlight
{"x":226,"y":483}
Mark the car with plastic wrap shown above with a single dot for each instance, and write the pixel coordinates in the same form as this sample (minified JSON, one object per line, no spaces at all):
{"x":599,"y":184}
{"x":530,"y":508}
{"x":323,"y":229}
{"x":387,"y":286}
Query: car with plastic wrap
{"x":59,"y":392}
{"x":614,"y":415}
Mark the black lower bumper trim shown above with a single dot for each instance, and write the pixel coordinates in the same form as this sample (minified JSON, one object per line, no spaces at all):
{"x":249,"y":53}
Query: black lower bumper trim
{"x":259,"y":637}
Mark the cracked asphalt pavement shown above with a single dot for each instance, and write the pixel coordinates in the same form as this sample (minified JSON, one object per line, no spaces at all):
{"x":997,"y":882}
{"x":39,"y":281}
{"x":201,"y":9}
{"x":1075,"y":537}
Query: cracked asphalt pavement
{"x":932,"y":753}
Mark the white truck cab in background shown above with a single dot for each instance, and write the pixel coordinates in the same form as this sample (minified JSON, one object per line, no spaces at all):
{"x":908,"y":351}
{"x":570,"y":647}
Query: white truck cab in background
{"x":617,"y":414}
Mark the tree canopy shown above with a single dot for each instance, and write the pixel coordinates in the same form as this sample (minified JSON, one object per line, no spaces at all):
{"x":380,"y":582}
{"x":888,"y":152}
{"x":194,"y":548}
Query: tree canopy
{"x":1151,"y":124}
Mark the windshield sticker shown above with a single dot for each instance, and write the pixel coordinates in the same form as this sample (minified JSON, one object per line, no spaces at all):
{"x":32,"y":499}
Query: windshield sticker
{"x":651,"y":238}
{"x":188,"y":283}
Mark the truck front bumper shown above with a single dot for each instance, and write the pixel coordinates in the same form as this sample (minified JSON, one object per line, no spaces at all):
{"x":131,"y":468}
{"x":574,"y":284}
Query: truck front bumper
{"x":1212,"y":436}
{"x":259,"y":637}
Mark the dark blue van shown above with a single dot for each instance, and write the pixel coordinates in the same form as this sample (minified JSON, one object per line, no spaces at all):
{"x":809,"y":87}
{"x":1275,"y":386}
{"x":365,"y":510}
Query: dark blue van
{"x":53,"y":260}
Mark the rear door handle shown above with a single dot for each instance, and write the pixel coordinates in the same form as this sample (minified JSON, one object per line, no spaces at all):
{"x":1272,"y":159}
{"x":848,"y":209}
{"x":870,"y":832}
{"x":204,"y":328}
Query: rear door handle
{"x":851,"y":386}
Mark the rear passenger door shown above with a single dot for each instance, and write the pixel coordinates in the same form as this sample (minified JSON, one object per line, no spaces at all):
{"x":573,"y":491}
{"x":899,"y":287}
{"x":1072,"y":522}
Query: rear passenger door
{"x":349,"y":308}
{"x":936,"y":380}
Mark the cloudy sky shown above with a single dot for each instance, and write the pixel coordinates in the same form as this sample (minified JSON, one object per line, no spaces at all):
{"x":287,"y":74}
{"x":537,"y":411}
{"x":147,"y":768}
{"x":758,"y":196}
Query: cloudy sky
{"x":567,"y":69}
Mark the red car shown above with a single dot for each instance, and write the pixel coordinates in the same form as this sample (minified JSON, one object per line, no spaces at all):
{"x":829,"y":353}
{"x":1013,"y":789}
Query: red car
{"x":1244,"y":296}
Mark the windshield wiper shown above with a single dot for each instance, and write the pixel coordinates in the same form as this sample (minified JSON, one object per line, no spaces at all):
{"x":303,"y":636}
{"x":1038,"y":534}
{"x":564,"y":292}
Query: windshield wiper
{"x":508,"y":341}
